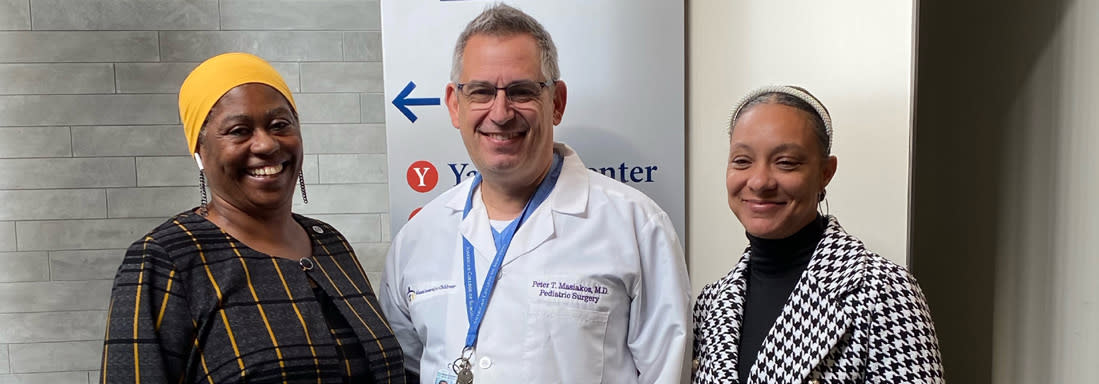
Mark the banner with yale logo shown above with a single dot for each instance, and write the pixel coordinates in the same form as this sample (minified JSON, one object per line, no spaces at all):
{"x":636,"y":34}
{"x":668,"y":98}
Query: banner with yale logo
{"x":623,"y":62}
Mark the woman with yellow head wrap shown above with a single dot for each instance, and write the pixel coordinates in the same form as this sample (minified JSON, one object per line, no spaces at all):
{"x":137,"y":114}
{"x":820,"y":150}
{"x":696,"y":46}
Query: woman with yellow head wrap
{"x":240,"y":289}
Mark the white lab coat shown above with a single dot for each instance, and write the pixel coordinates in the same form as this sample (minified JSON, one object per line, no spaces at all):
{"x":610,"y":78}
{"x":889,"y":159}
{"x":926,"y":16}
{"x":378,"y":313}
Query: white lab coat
{"x":593,"y":288}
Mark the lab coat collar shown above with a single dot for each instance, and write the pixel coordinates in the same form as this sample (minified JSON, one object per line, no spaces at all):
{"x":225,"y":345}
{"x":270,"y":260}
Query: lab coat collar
{"x":569,"y":196}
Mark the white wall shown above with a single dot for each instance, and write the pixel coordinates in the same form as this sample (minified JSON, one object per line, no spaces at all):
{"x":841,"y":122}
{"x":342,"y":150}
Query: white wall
{"x":856,"y":56}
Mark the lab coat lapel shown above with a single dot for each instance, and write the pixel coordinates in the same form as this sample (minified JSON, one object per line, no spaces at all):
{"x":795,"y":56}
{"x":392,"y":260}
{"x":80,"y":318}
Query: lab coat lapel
{"x":477,"y":229}
{"x":535,"y":231}
{"x":569,"y":196}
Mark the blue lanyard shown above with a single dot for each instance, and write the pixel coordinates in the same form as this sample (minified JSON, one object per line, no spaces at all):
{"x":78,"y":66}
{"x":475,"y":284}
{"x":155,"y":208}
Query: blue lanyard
{"x":476,"y":305}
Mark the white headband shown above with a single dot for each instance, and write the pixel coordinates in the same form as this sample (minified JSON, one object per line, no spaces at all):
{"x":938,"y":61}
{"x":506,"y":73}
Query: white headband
{"x":795,"y":92}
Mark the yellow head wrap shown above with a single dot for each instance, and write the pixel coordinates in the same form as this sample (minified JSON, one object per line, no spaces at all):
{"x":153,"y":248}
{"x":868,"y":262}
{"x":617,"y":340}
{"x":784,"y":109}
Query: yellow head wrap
{"x":216,"y":76}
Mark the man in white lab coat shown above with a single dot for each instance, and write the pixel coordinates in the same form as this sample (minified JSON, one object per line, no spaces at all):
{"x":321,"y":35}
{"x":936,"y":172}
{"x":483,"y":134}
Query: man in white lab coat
{"x":538,"y":270}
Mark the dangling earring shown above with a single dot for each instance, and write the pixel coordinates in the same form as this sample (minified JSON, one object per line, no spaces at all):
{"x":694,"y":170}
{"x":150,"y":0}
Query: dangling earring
{"x":201,"y":186}
{"x":821,"y":199}
{"x":301,"y":180}
{"x":202,"y":190}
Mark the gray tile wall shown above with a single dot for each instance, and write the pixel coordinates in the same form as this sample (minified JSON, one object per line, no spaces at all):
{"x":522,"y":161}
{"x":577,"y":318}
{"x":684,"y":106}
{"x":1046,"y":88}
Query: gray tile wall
{"x":14,"y":15}
{"x":7,"y":238}
{"x":92,"y":154}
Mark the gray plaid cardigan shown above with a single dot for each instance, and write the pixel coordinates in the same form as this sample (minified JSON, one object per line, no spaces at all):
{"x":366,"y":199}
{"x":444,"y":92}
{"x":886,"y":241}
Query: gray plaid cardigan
{"x":853,"y":317}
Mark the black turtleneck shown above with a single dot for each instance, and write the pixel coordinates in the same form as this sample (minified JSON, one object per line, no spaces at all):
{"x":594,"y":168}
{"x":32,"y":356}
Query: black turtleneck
{"x":774,"y":267}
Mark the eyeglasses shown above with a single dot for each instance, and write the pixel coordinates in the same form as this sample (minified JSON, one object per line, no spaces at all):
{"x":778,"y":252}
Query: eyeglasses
{"x":481,"y":93}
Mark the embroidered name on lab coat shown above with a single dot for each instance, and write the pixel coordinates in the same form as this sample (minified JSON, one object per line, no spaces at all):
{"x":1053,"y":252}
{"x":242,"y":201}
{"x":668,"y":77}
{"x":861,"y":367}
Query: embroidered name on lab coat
{"x":427,"y":290}
{"x":569,"y":291}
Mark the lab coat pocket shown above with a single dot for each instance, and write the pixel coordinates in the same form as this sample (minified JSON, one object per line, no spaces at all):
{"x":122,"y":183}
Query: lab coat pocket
{"x":564,"y":344}
{"x":427,"y":304}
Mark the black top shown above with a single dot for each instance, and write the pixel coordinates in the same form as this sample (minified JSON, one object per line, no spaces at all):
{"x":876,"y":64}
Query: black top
{"x":356,"y":366}
{"x":192,"y":304}
{"x":774,"y":267}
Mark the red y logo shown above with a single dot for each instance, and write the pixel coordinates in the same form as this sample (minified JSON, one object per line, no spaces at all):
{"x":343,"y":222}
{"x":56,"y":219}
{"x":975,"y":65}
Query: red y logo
{"x":422,"y":176}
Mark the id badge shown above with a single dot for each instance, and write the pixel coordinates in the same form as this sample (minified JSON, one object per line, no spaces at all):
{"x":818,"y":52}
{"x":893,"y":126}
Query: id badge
{"x":445,"y":376}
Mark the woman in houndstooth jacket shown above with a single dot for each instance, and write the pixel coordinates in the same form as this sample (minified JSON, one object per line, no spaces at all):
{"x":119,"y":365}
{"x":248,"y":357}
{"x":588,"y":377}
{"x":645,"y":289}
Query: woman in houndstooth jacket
{"x":807,"y":302}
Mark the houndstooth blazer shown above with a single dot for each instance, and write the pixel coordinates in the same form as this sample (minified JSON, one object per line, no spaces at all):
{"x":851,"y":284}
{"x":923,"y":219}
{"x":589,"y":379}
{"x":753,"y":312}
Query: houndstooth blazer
{"x":853,"y":317}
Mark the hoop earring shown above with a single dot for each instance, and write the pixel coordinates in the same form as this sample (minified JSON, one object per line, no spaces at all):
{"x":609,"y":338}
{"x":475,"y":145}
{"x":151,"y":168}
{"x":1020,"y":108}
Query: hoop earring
{"x":202,"y":210}
{"x":822,"y":199}
{"x":301,"y":181}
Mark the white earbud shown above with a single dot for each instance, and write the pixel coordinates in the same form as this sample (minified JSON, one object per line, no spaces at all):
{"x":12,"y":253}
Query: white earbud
{"x":198,"y":160}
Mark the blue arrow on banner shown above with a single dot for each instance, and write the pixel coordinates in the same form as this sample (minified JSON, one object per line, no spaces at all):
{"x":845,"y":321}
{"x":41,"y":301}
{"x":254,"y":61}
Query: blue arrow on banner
{"x":402,"y":101}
